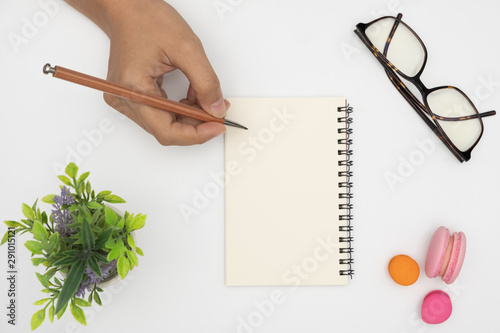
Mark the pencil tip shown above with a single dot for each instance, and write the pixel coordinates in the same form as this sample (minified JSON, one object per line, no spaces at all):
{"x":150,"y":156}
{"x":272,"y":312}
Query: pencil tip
{"x":232,"y":123}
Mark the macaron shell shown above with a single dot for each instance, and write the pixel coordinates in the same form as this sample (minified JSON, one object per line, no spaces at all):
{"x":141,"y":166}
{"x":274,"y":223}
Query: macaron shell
{"x":457,"y":258}
{"x":436,"y":251}
{"x":404,"y":270}
{"x":436,"y":307}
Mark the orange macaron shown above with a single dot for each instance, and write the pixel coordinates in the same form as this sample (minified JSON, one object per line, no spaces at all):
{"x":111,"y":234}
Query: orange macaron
{"x":404,"y":270}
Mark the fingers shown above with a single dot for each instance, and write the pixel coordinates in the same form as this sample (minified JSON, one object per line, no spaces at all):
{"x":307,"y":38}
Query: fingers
{"x":171,"y":129}
{"x":183,"y":134}
{"x":167,"y":128}
{"x":204,"y":87}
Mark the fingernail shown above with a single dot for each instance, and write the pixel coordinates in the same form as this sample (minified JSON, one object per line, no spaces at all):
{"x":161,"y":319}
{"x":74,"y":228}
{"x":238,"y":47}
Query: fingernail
{"x":218,"y":109}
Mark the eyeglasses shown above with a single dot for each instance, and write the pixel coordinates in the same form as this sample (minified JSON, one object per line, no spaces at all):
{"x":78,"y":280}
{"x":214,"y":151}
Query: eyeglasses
{"x":445,"y":109}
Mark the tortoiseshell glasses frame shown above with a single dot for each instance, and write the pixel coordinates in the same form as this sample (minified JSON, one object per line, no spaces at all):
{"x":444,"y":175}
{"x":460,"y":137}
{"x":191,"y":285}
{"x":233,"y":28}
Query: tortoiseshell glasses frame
{"x":425,"y":112}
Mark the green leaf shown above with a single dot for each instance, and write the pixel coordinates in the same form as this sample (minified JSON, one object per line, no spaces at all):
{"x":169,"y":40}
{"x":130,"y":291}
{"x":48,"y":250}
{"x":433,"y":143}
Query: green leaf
{"x":65,"y":180}
{"x":37,"y":319}
{"x":51,"y":313}
{"x":39,"y":232}
{"x":72,"y":253}
{"x":5,"y":238}
{"x":139,"y":251}
{"x":132,"y":257}
{"x":113,"y":199}
{"x":29,"y":223}
{"x":103,"y":194}
{"x":131,"y":242}
{"x":60,"y":313}
{"x":114,"y":253}
{"x":88,"y":240}
{"x":97,"y":298}
{"x":111,"y":216}
{"x":102,"y":238}
{"x":86,"y":212}
{"x":129,"y":218}
{"x":94,"y":205}
{"x":53,"y":240}
{"x":100,"y":258}
{"x":65,"y":261}
{"x":50,"y":273}
{"x":71,"y":170}
{"x":78,"y":314}
{"x":95,"y":217}
{"x":110,"y":243}
{"x":75,"y":276}
{"x":121,"y":223}
{"x":83,"y":176}
{"x":13,"y":224}
{"x":80,"y":188}
{"x":44,"y":218}
{"x":138,"y":222}
{"x":49,"y":199}
{"x":28,"y":212}
{"x":43,"y":280}
{"x":42,"y":301}
{"x":37,"y":261}
{"x":88,"y":188}
{"x":33,"y":208}
{"x":94,"y":266}
{"x":81,"y":302}
{"x":73,"y":208}
{"x":34,"y":246}
{"x":123,"y":266}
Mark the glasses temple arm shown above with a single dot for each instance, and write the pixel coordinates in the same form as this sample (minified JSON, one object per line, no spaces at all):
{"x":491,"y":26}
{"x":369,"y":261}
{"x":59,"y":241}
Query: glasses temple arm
{"x":391,"y":34}
{"x":474,"y":116}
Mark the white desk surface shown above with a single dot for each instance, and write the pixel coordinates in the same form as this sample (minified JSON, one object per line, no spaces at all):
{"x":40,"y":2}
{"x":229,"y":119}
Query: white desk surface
{"x":262,"y":48}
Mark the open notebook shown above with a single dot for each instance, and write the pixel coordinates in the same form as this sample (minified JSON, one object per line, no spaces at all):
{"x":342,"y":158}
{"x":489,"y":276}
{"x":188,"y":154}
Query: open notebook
{"x":287,"y":192}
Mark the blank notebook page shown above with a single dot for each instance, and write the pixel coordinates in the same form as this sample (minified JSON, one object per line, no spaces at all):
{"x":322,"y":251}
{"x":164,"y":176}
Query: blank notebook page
{"x":282,"y":185}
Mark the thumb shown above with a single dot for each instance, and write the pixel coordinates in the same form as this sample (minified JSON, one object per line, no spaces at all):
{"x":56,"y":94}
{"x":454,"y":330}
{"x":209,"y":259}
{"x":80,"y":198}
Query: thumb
{"x":204,"y":83}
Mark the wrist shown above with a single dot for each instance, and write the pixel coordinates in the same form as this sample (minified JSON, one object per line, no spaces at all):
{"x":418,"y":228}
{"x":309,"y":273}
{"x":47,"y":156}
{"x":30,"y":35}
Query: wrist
{"x":101,"y":12}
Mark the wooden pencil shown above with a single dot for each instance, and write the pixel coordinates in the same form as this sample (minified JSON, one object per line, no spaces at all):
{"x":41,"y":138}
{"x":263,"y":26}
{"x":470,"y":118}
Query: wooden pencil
{"x":120,"y":91}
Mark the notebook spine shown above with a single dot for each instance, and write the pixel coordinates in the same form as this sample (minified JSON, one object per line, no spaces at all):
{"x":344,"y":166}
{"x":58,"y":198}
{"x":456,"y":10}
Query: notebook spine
{"x":345,"y":193}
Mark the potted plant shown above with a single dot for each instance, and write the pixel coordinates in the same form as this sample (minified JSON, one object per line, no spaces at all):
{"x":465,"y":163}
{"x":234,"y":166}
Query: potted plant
{"x":83,"y":238}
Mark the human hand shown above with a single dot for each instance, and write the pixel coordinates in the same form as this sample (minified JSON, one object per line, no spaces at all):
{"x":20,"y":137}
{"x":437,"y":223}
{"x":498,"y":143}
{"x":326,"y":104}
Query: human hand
{"x":149,"y":39}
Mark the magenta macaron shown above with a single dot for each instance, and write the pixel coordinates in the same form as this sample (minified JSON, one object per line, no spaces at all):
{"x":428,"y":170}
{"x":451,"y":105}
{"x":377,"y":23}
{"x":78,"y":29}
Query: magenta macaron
{"x":436,"y":307}
{"x":445,"y":255}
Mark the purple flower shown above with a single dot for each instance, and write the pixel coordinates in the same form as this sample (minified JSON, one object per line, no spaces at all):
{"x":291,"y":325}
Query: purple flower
{"x":93,"y":279}
{"x":62,"y":217}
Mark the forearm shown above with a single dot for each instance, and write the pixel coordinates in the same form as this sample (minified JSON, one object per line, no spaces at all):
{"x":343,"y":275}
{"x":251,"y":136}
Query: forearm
{"x":107,"y":14}
{"x":101,"y":12}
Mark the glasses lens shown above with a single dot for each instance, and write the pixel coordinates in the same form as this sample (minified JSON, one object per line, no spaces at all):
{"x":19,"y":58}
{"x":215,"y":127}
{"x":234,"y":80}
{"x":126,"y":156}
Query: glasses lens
{"x":404,"y":50}
{"x":450,"y":107}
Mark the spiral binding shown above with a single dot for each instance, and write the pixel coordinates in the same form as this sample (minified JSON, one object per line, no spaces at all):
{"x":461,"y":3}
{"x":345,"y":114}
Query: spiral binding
{"x":347,"y":194}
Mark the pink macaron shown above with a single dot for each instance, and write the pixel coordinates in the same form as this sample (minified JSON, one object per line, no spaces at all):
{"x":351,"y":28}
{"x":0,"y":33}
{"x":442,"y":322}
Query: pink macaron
{"x":445,"y":255}
{"x":436,"y":307}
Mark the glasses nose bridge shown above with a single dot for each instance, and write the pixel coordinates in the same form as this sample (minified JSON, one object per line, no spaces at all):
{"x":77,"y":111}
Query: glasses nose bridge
{"x":417,"y":82}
